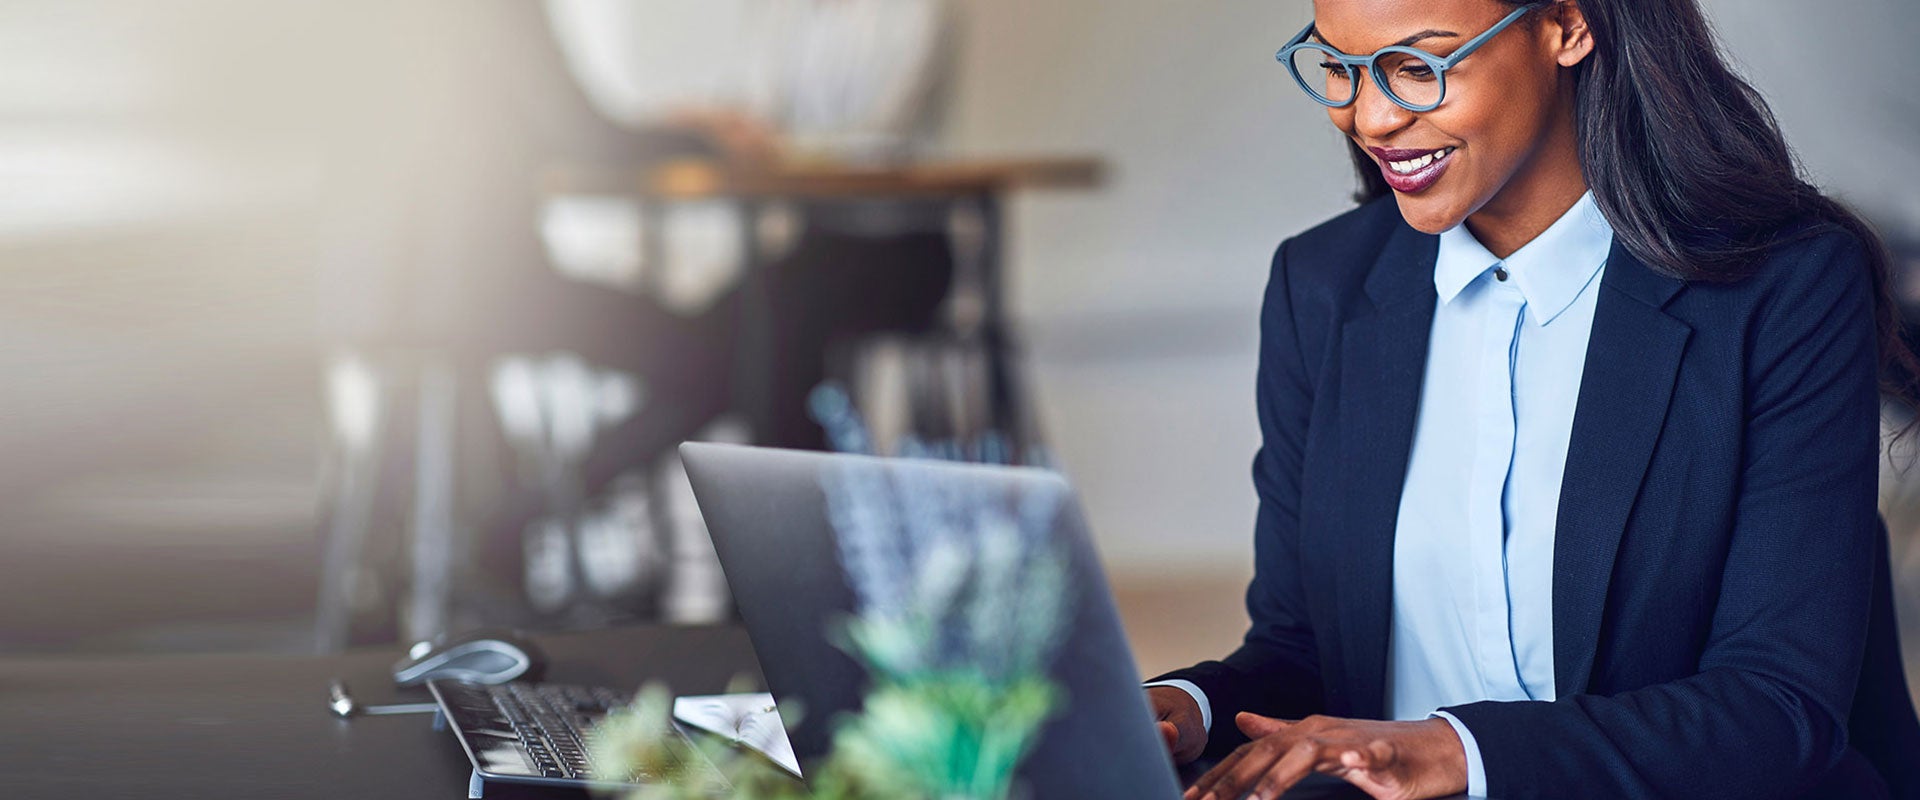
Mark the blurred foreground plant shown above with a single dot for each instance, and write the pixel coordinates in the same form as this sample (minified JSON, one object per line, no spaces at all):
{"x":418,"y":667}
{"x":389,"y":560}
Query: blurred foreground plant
{"x":961,"y":599}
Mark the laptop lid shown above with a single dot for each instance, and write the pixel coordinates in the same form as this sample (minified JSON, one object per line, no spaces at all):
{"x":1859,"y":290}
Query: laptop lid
{"x":767,"y":511}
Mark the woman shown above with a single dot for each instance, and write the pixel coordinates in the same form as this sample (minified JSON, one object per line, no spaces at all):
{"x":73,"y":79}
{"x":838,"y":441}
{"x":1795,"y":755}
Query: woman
{"x":1570,"y":433}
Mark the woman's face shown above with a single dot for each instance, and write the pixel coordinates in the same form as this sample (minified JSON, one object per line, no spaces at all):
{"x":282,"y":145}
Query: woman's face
{"x":1507,"y":108}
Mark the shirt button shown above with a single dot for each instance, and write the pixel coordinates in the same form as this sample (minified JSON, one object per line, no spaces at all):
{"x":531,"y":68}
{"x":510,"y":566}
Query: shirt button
{"x":1499,"y":273}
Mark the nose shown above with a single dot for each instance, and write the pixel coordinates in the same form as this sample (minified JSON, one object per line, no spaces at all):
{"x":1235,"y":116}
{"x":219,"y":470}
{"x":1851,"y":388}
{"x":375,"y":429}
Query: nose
{"x":1375,"y":116}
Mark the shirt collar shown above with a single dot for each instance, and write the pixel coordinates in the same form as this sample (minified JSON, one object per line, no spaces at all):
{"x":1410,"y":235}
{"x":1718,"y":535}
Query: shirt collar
{"x":1549,"y":271}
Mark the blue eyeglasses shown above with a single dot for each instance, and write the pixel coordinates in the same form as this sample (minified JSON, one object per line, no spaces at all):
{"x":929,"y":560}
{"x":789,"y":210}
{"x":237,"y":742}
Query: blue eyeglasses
{"x":1412,"y":78}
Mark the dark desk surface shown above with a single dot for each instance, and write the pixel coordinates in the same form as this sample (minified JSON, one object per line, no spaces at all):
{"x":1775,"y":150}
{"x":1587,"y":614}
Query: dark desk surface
{"x":257,"y":726}
{"x":240,"y":727}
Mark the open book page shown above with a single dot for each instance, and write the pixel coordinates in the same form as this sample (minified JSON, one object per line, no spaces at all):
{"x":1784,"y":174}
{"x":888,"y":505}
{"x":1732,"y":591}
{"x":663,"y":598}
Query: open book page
{"x":749,"y":720}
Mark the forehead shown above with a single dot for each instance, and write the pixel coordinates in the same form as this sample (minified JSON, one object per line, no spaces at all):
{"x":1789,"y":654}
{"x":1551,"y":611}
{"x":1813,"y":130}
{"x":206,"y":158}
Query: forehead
{"x":1363,"y":26}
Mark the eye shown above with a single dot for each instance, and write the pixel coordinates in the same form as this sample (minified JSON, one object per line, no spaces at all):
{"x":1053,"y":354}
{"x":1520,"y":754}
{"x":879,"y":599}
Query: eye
{"x":1334,"y":69}
{"x":1417,"y":70}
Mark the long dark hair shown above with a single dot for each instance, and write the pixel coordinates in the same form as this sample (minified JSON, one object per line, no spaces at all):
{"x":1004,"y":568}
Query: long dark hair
{"x":1694,"y":212}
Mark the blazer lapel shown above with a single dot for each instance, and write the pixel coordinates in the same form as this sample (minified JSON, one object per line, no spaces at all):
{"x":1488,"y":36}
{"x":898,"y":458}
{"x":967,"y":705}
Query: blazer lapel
{"x":1383,"y":360}
{"x":1633,"y":357}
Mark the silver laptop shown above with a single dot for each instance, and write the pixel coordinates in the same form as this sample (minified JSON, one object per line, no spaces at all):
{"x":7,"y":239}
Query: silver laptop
{"x":768,"y":514}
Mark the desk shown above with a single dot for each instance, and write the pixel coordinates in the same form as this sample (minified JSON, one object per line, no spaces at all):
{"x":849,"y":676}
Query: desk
{"x":254,"y":726}
{"x":241,"y":727}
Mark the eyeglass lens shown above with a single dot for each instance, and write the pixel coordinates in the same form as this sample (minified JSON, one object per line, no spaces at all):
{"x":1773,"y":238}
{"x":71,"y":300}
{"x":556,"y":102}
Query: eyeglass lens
{"x":1409,"y":77}
{"x":1324,"y":76}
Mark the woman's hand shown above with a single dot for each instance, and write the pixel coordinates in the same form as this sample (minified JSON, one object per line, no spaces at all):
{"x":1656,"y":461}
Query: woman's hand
{"x":1179,"y":720}
{"x":1388,"y":760}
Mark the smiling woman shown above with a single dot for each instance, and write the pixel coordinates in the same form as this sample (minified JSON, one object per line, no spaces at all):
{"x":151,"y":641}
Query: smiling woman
{"x":1567,"y":481}
{"x":1510,"y":122}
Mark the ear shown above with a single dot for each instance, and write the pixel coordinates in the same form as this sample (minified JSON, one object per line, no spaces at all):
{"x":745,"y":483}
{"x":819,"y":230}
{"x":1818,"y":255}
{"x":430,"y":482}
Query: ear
{"x":1573,"y":39}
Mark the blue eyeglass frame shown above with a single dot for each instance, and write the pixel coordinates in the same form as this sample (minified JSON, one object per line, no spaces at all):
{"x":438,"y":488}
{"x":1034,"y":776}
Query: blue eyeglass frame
{"x":1372,"y":62}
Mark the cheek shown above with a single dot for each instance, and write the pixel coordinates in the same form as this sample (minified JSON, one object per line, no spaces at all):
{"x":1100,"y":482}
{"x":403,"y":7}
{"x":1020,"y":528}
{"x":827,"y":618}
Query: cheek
{"x":1496,"y":134}
{"x":1342,"y":119}
{"x":1473,"y":129}
{"x":1500,"y":122}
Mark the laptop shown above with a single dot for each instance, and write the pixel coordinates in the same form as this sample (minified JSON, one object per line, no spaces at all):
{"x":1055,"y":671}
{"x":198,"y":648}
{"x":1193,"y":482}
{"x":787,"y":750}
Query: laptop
{"x":768,"y":514}
{"x":541,"y":734}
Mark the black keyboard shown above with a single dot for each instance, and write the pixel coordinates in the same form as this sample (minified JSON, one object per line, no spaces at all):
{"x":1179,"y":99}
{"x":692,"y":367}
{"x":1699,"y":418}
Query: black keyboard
{"x":545,"y":731}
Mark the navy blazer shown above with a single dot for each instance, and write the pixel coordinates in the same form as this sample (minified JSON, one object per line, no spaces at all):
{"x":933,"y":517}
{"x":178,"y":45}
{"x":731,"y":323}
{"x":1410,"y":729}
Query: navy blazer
{"x":1717,"y":537}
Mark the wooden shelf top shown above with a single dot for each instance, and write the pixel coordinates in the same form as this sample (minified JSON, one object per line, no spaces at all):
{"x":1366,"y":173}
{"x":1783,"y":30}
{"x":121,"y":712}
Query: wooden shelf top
{"x":697,"y":179}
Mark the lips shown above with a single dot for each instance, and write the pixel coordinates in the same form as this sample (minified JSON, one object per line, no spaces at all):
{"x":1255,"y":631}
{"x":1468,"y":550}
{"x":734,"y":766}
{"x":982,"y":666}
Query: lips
{"x":1409,"y":171}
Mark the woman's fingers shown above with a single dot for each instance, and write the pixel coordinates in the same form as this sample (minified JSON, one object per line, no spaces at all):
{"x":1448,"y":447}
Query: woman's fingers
{"x":1208,"y":783}
{"x":1355,"y":760}
{"x":1381,"y":758}
{"x":1383,"y":754}
{"x":1182,"y":722}
{"x":1256,"y":726}
{"x":1373,"y":767}
{"x":1268,"y":758}
{"x":1277,"y":779}
{"x":1204,"y":787}
{"x":1229,"y":781}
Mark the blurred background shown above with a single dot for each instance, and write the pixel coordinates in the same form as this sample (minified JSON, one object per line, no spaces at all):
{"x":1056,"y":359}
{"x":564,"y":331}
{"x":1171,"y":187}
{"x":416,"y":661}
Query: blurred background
{"x":344,"y":323}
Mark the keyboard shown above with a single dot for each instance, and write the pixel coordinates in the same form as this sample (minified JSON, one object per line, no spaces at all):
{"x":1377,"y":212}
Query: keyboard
{"x":543,"y":733}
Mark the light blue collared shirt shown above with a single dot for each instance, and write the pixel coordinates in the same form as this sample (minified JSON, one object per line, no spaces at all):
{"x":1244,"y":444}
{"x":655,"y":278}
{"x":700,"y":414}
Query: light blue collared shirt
{"x":1473,"y":545}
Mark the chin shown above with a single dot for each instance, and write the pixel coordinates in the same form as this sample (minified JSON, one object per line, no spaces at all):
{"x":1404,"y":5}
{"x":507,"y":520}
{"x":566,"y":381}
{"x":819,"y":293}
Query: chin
{"x":1427,"y":214}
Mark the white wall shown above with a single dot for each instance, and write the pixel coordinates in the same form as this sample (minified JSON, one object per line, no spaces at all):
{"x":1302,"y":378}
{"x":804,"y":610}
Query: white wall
{"x":1140,"y":302}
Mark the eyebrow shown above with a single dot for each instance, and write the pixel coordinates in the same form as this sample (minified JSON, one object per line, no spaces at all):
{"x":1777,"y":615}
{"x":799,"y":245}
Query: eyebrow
{"x":1426,"y":34}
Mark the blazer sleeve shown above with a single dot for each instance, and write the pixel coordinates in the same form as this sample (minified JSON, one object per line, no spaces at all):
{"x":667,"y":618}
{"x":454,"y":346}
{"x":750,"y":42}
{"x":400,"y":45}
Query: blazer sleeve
{"x":1276,"y":670}
{"x":1765,"y":715}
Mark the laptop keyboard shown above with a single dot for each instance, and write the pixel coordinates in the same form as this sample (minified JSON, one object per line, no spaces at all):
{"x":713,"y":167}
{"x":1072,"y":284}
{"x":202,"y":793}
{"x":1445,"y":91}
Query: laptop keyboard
{"x":554,"y":724}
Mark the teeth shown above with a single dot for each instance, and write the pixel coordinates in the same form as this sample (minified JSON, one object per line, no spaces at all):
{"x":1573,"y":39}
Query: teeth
{"x":1416,"y":164}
